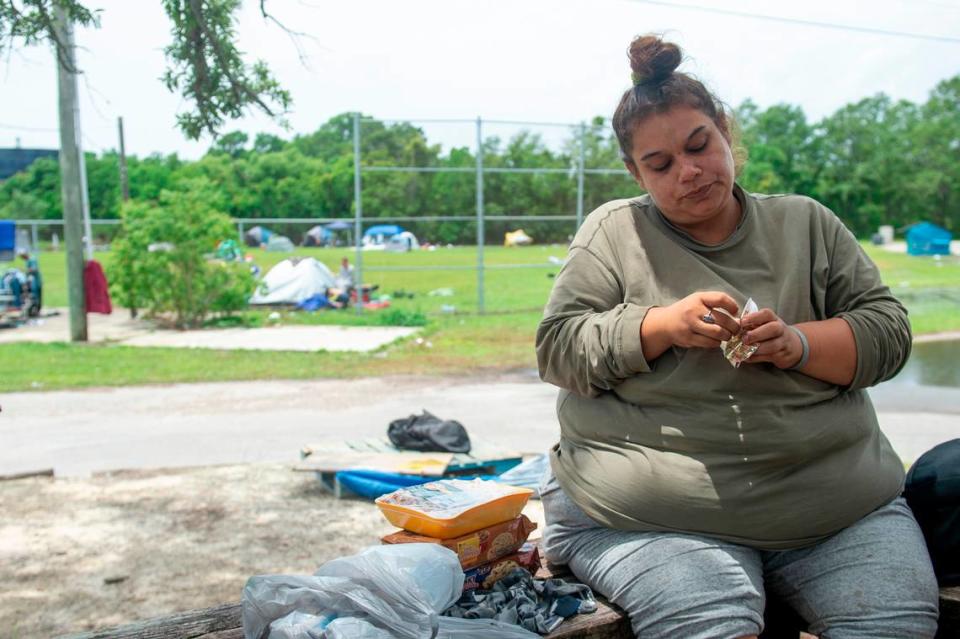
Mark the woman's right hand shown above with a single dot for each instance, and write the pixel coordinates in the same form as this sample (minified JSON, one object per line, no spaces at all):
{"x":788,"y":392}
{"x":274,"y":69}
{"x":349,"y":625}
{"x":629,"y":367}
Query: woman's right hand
{"x":683,"y":323}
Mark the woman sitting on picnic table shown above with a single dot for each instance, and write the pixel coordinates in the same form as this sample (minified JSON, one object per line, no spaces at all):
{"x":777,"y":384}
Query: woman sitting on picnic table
{"x":685,"y":489}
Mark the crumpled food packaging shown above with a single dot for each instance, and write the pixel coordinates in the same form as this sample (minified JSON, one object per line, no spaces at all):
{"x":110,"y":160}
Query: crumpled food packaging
{"x":735,"y":350}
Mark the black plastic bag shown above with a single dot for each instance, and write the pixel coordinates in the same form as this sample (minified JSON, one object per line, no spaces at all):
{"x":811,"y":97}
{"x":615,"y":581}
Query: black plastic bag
{"x":933,"y":491}
{"x":429,"y":433}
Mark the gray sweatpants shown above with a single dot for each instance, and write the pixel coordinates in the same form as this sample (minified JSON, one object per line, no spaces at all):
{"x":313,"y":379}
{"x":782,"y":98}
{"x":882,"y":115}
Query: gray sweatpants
{"x":871,"y":580}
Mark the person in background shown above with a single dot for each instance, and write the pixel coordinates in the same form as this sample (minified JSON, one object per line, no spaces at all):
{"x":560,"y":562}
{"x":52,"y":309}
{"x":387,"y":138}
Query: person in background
{"x":686,"y":489}
{"x":345,"y":276}
{"x":340,"y":294}
{"x":33,"y":278}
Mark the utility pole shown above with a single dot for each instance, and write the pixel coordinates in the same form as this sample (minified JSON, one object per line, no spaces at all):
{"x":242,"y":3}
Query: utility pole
{"x":71,"y":179}
{"x":124,"y":182}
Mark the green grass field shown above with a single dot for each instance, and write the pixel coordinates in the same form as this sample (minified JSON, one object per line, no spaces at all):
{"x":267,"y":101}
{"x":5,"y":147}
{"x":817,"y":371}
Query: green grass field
{"x":462,"y":342}
{"x":516,"y":279}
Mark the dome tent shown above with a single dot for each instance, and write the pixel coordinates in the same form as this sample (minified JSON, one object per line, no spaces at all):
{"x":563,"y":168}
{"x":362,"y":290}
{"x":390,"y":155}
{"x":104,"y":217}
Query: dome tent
{"x":517,"y":238}
{"x":279,"y":244}
{"x":379,"y":234}
{"x":257,"y":236}
{"x":317,"y":236}
{"x":402,"y":242}
{"x":291,"y":281}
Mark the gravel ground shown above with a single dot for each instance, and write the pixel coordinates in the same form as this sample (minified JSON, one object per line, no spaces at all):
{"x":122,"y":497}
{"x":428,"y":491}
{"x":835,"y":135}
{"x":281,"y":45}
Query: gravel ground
{"x":78,"y":554}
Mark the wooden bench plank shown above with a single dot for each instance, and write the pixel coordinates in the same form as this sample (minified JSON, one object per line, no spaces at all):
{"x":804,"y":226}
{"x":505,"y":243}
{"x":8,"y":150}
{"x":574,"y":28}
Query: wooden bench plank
{"x":224,"y":622}
{"x":608,"y":622}
{"x":219,"y":622}
{"x":949,"y":613}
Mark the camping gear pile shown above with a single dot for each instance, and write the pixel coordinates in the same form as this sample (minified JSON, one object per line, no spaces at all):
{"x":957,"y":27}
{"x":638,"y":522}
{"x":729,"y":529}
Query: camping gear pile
{"x":309,"y":285}
{"x":418,"y":449}
{"x":481,"y":522}
{"x":382,"y":592}
{"x":20,"y":291}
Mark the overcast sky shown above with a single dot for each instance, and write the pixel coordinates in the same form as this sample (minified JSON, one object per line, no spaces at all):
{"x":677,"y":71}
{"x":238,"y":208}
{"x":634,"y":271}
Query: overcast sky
{"x":528,"y":60}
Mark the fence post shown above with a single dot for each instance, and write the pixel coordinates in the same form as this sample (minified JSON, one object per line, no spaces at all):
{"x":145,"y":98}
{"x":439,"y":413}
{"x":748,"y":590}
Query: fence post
{"x":480,"y":229}
{"x":34,"y":238}
{"x":240,"y":232}
{"x":583,"y":141}
{"x":357,"y":215}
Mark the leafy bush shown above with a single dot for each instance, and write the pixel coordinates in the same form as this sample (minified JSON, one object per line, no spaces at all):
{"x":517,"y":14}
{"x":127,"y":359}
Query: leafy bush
{"x":162,"y":262}
{"x":400,"y":317}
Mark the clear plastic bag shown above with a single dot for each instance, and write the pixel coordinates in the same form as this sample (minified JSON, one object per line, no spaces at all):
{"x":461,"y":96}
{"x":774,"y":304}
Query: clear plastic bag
{"x":299,"y":625}
{"x":528,"y":474}
{"x":354,"y":628}
{"x":401,"y":589}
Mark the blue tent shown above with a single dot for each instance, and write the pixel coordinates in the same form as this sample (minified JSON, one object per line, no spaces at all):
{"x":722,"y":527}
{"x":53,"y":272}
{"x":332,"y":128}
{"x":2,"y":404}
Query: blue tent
{"x":386,"y":230}
{"x":8,"y":239}
{"x":928,"y":239}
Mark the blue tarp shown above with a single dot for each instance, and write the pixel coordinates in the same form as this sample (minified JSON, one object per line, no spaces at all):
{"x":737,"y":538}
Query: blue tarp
{"x":374,"y":483}
{"x":928,"y":239}
{"x":315,"y":303}
{"x":386,"y":230}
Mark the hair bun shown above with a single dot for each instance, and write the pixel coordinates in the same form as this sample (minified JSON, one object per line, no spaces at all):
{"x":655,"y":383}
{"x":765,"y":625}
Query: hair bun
{"x":652,"y":60}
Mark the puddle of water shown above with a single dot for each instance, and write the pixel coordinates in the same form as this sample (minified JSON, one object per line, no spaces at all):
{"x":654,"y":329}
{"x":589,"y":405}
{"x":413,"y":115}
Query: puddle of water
{"x":932,"y":364}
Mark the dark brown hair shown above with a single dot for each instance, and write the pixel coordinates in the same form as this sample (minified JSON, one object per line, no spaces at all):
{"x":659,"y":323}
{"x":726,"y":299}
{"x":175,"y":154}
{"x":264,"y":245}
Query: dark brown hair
{"x":658,"y":86}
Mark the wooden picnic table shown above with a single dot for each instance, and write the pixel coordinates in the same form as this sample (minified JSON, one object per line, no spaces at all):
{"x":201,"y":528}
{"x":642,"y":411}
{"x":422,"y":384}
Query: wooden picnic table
{"x":608,"y":622}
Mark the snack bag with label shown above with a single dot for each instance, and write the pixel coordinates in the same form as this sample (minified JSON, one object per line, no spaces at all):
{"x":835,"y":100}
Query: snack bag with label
{"x":479,"y":547}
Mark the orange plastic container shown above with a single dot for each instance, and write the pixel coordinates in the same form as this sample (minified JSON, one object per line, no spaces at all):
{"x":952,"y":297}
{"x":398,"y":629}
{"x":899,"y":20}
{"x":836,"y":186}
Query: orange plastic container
{"x":452,"y":507}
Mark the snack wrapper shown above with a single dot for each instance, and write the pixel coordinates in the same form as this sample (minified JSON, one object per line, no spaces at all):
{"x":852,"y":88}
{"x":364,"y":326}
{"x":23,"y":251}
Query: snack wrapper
{"x":449,"y":508}
{"x":527,"y":557}
{"x":735,"y":350}
{"x":447,"y":497}
{"x":481,"y":546}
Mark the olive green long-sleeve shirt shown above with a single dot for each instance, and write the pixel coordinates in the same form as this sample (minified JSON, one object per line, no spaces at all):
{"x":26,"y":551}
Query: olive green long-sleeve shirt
{"x":756,"y":455}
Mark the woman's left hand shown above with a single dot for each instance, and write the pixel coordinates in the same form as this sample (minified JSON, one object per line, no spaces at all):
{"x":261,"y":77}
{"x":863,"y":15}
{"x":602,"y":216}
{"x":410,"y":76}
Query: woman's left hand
{"x":776,"y":343}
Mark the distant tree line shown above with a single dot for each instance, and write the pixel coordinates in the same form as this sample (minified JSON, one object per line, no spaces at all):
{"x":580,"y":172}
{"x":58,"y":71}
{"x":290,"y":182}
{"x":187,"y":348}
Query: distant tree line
{"x":874,"y":162}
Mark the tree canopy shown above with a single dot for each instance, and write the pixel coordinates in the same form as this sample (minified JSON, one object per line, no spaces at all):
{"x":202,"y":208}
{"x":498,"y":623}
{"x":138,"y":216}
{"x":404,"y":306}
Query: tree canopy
{"x":877,"y":161}
{"x":203,"y":63}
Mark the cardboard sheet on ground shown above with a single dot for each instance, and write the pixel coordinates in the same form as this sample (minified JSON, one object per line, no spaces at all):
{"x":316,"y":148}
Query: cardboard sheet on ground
{"x":408,"y":462}
{"x":379,"y":454}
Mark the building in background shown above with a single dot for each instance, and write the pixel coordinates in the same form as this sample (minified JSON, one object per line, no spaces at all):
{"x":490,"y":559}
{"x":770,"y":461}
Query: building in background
{"x":17,"y":159}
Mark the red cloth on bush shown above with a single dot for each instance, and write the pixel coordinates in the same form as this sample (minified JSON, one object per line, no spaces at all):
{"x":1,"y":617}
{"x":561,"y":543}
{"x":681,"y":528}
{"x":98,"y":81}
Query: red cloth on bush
{"x":95,"y":288}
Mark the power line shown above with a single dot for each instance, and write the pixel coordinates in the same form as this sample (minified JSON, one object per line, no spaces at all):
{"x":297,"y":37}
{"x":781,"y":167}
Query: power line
{"x":806,"y":23}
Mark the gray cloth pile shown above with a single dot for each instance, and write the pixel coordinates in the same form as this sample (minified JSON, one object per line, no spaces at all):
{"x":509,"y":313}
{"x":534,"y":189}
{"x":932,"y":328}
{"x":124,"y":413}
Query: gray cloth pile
{"x":537,"y":605}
